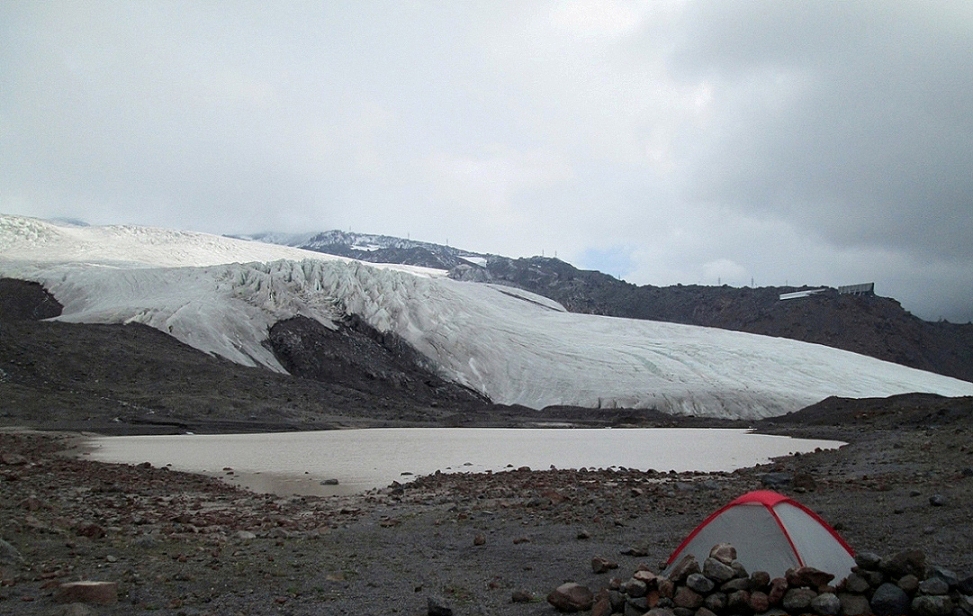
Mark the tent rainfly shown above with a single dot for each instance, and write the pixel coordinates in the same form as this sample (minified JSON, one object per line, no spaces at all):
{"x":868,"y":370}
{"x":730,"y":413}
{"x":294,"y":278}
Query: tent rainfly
{"x":771,"y":533}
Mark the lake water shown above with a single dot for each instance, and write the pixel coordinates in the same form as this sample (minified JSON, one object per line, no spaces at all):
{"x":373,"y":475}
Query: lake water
{"x":298,"y":462}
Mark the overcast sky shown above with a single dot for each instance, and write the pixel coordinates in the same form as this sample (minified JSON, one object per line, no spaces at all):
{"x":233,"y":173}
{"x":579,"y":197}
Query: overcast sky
{"x":820,"y":143}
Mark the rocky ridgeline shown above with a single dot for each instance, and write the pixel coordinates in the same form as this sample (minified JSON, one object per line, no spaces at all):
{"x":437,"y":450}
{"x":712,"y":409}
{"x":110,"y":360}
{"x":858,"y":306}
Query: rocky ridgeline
{"x":901,"y":585}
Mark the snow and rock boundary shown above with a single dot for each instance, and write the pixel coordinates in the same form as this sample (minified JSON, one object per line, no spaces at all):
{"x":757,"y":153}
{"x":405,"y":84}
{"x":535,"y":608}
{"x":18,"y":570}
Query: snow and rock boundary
{"x":222,"y":296}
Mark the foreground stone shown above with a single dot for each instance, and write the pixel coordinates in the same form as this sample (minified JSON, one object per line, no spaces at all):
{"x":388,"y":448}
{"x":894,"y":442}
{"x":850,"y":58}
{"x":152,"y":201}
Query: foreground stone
{"x":571,"y":597}
{"x":98,"y":593}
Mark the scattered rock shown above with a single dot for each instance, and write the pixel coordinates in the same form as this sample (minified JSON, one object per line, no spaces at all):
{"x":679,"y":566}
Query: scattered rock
{"x":600,"y":564}
{"x":937,"y":500}
{"x":479,"y":539}
{"x":776,"y":480}
{"x":571,"y":597}
{"x":98,"y":593}
{"x":9,"y":554}
{"x":521,"y":596}
{"x":438,"y":607}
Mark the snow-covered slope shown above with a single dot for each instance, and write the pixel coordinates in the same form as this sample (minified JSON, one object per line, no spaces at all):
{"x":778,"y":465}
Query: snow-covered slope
{"x":221,"y":295}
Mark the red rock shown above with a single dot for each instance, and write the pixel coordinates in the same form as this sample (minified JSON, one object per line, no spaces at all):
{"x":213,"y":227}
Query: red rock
{"x":600,"y":564}
{"x":759,"y":602}
{"x":602,"y":605}
{"x":808,"y":577}
{"x":778,"y":588}
{"x":571,"y":597}
{"x":723,"y":552}
{"x":687,"y":598}
{"x":646,"y":576}
{"x":666,"y":588}
{"x":99,"y":593}
{"x":686,"y":566}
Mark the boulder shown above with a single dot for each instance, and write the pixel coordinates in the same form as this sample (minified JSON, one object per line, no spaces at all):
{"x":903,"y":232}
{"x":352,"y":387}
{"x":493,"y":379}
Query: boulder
{"x":856,"y":583}
{"x":826,"y":604}
{"x":682,"y":569}
{"x":908,"y":583}
{"x":571,"y":597}
{"x":932,"y":605}
{"x":717,"y":571}
{"x":934,"y":586}
{"x":798,"y":600}
{"x":943,"y":573}
{"x":700,"y":583}
{"x":905,"y":563}
{"x":666,"y":587}
{"x":759,"y":602}
{"x":739,"y":570}
{"x":635,"y":588}
{"x":759,"y":580}
{"x":778,"y":586}
{"x":687,"y":598}
{"x":724,"y":552}
{"x":635,"y":607}
{"x":602,"y":605}
{"x":716,"y":602}
{"x":965,"y":586}
{"x":600,"y":564}
{"x":868,"y":560}
{"x":738,"y":602}
{"x":889,"y":600}
{"x":854,"y":605}
{"x":808,"y":577}
{"x":736,"y":584}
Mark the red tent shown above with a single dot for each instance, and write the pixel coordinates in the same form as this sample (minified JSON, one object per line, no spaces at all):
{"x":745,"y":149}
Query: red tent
{"x":771,"y":533}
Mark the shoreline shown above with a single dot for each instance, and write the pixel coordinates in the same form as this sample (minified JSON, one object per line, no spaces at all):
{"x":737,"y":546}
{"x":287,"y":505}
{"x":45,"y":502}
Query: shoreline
{"x":721,"y":449}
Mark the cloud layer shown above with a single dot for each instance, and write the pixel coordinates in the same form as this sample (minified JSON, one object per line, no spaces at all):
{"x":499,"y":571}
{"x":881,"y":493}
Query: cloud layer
{"x":664,"y":142}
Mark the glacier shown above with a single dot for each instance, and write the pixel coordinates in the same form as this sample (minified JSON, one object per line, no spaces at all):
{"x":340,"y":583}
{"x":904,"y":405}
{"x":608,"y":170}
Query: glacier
{"x":221,"y":295}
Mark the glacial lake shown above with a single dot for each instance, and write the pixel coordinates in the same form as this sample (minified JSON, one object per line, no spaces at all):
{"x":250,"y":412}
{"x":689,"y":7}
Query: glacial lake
{"x":298,"y":462}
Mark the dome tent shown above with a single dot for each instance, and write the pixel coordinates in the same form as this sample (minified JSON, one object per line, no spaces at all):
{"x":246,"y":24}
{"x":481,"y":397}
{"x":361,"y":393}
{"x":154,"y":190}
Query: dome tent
{"x":771,"y":533}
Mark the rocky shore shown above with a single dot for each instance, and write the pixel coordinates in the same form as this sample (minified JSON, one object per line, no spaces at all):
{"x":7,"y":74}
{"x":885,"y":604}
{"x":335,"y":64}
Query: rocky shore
{"x":146,"y":539}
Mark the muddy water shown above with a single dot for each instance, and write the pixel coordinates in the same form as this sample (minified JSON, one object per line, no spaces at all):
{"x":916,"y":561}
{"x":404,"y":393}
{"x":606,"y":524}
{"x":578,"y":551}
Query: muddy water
{"x":307,"y":462}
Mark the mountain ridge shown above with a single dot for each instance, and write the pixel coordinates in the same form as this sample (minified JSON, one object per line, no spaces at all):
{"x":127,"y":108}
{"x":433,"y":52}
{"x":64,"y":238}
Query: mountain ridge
{"x":223,"y":297}
{"x":867,"y":324}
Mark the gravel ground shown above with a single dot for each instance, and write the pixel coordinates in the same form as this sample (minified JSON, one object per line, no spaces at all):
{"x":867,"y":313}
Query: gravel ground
{"x":184,"y":544}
